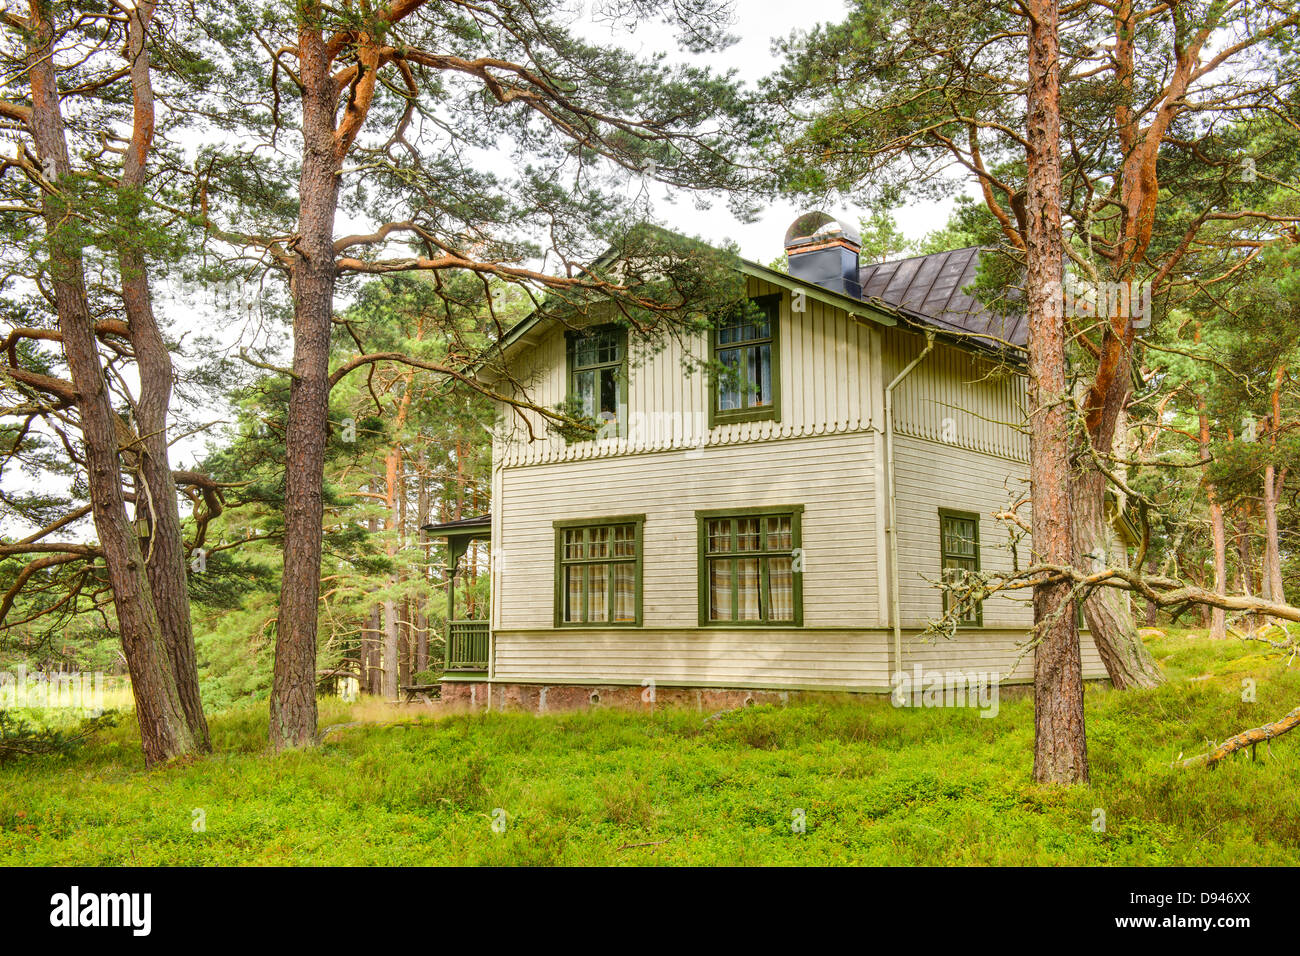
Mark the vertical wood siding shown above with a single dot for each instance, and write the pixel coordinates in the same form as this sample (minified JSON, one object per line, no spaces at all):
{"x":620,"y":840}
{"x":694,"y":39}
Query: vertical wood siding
{"x":826,"y":387}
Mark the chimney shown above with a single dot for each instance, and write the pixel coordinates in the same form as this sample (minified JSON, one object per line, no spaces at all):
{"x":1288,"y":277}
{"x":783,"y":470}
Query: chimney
{"x":824,"y":251}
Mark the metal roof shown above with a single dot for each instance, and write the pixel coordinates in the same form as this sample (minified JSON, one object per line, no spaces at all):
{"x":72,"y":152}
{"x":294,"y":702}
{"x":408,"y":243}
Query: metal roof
{"x":929,"y":289}
{"x":459,"y":525}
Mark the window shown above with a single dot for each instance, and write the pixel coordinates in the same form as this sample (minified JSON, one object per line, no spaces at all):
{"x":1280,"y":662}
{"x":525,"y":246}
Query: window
{"x":751,"y":566}
{"x":597,"y":381}
{"x":598,"y":571}
{"x":746,"y":384}
{"x":959,"y":542}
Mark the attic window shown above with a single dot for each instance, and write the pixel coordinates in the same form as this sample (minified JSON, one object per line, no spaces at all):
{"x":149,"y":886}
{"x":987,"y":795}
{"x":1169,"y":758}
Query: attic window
{"x":597,"y":378}
{"x":747,"y":363}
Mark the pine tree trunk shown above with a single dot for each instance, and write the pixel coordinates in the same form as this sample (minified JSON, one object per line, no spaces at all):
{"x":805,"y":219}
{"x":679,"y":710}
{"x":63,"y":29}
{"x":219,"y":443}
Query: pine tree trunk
{"x":1060,"y":742}
{"x":422,"y":600}
{"x":164,"y":730}
{"x":166,"y":553}
{"x":1106,"y":612}
{"x":374,"y":652}
{"x":390,"y":650}
{"x":312,"y":277}
{"x":1218,"y":621}
{"x":1272,"y":576}
{"x":1245,"y":563}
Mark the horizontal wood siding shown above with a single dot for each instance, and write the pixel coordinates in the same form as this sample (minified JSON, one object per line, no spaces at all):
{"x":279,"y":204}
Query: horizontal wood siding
{"x":826,"y":387}
{"x":701,"y":656}
{"x":831,"y":477}
{"x":932,"y":475}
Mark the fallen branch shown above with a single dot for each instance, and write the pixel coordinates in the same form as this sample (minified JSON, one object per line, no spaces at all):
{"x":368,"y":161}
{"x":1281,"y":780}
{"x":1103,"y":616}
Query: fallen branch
{"x":1247,"y":738}
{"x":633,"y":846}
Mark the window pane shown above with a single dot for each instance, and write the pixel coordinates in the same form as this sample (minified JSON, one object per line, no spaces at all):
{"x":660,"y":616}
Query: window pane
{"x":573,"y":594}
{"x":603,"y":348}
{"x":720,"y":590}
{"x":624,"y":592}
{"x":598,"y":593}
{"x":780,"y":534}
{"x":573,"y":543}
{"x":625,"y":541}
{"x":748,"y":605}
{"x":781,"y":588}
{"x":599,"y":545}
{"x":959,"y":536}
{"x":747,"y":537}
{"x":609,"y":395}
{"x":719,"y":536}
{"x":759,"y":393}
{"x":729,"y":380}
{"x":584,"y":391}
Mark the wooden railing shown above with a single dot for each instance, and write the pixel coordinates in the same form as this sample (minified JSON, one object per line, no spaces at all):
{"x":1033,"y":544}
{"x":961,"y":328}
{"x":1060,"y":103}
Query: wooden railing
{"x":467,"y":645}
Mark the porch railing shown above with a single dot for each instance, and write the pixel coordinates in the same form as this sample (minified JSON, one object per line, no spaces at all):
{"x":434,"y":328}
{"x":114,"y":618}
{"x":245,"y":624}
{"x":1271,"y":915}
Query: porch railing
{"x":467,"y":645}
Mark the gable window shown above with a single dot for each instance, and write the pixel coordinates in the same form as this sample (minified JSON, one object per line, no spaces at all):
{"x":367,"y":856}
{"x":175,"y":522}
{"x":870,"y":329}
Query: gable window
{"x":751,"y":566}
{"x":598,"y":571}
{"x":959,"y":542}
{"x":597,"y":377}
{"x":746,"y":375}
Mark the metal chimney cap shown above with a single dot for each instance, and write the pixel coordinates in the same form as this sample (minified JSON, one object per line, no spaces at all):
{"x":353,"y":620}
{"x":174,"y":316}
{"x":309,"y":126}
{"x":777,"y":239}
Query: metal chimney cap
{"x":820,"y":226}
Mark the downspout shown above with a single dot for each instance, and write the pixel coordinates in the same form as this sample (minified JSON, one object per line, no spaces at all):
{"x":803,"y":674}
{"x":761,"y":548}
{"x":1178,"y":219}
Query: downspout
{"x":892,"y":529}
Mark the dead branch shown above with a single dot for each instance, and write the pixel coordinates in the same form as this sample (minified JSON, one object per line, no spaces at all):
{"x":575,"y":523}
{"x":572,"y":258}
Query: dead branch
{"x":1247,"y":738}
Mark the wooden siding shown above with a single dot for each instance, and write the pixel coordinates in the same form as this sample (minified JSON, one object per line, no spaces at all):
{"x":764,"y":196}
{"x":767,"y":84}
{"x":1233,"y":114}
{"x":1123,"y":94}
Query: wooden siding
{"x":831,"y":476}
{"x":932,"y":475}
{"x":955,"y":397}
{"x":738,"y":657}
{"x":826,"y":387}
{"x":957,"y":448}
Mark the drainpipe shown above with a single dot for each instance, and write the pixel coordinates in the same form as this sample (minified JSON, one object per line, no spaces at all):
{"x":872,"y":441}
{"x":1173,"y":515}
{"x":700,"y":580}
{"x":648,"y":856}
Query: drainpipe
{"x":892,"y":529}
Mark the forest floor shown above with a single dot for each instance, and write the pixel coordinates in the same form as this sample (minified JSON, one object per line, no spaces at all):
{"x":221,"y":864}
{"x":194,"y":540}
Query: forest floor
{"x":870,"y":784}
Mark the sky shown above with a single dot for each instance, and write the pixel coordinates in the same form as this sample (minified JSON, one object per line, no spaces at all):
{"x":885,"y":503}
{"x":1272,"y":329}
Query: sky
{"x":756,"y":24}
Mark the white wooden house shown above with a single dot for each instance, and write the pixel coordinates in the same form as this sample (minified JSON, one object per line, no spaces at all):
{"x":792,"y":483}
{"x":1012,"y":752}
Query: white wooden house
{"x":728,"y":540}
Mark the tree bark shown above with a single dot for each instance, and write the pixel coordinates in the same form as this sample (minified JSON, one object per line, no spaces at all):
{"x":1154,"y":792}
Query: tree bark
{"x":1106,"y":610}
{"x":166,"y":551}
{"x":1274,"y":481}
{"x":1244,"y":559}
{"x":312,"y":277}
{"x":1060,"y":743}
{"x":1218,"y":622}
{"x":164,"y":730}
{"x":422,"y":601}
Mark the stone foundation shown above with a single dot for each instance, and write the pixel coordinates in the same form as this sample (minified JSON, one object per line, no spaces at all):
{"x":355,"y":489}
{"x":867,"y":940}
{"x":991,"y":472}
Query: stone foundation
{"x":550,"y":698}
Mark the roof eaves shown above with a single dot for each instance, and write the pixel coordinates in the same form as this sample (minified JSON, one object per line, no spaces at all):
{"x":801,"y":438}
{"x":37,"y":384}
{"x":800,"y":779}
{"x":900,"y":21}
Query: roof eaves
{"x":875,"y":310}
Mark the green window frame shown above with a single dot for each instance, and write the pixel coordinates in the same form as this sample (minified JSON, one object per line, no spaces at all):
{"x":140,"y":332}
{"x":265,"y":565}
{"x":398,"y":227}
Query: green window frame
{"x":598,"y":565}
{"x":596,"y":379}
{"x":747,"y":342}
{"x":751,"y":567}
{"x":959,"y":550}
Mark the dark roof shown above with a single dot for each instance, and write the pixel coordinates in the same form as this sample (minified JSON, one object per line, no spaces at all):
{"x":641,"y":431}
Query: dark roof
{"x":460,"y":524}
{"x":929,"y":288}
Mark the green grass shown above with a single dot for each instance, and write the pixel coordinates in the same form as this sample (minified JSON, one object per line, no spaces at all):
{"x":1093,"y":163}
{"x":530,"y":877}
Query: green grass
{"x":877,"y":785}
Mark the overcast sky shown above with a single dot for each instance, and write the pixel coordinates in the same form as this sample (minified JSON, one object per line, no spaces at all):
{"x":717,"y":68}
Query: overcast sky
{"x":757,"y":23}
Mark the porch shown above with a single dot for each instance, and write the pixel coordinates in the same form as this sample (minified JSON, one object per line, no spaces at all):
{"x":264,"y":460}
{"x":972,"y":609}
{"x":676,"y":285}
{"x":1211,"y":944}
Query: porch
{"x":467,"y":643}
